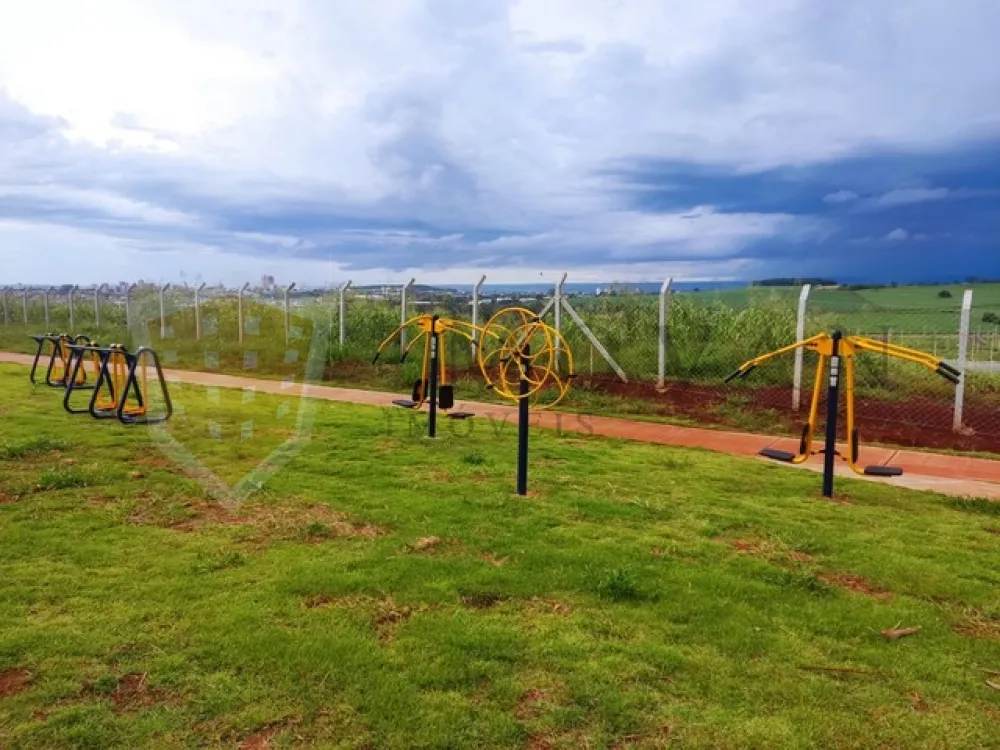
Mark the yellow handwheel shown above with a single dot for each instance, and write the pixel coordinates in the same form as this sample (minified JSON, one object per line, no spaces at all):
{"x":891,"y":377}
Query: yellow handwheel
{"x":518,"y":344}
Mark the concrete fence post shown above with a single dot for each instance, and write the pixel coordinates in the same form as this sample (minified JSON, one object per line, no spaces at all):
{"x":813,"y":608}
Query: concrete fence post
{"x":45,"y":302}
{"x":163,"y":312}
{"x":288,"y":323}
{"x":963,"y":358}
{"x":72,"y":311}
{"x":197,"y":311}
{"x":342,"y":313}
{"x":558,"y":297}
{"x":800,"y":333}
{"x":476,"y":290}
{"x":239,"y":308}
{"x":128,"y":306}
{"x":402,"y":312}
{"x":661,"y":365}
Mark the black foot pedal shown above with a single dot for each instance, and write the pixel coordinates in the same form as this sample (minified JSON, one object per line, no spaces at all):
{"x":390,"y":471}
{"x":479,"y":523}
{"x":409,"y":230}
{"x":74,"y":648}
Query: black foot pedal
{"x":460,"y":415}
{"x":883,"y":471}
{"x":405,"y":403}
{"x":777,"y":455}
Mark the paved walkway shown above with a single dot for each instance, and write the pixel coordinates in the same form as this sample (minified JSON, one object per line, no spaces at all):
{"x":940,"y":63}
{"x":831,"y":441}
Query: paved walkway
{"x":954,"y":475}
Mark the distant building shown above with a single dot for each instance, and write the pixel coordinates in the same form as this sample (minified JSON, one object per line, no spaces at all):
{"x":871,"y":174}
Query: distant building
{"x":267,"y":283}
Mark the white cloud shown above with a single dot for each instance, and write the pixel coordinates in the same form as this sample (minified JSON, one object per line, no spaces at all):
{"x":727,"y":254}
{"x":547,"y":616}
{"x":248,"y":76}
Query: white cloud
{"x":841,"y":196}
{"x":905,"y":196}
{"x":495,"y":114}
{"x":898,"y":235}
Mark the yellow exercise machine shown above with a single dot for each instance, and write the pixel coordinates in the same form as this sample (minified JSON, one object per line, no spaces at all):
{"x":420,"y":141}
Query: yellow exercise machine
{"x":524,"y":359}
{"x":519,"y":348}
{"x":121,"y":383}
{"x":56,"y":346}
{"x":433,"y":385}
{"x":832,"y":349}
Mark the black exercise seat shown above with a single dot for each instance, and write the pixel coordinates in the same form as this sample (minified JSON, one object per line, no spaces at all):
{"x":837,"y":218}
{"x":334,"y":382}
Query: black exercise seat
{"x":405,"y":403}
{"x":777,"y":455}
{"x":883,"y":471}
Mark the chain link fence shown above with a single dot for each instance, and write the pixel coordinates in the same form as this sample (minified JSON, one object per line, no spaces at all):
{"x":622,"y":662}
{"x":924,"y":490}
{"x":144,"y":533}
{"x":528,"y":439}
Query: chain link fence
{"x":660,"y":355}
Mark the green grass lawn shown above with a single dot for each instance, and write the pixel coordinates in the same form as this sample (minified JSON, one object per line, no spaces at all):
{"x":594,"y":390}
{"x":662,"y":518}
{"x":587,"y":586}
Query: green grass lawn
{"x":382,"y":590}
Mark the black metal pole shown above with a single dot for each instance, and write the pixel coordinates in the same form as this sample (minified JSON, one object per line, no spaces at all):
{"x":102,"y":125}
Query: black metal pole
{"x":433,"y":385}
{"x":832,"y":405}
{"x":522,"y":425}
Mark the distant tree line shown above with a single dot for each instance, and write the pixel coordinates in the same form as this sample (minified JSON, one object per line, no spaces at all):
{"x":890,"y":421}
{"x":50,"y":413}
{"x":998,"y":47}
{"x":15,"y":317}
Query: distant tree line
{"x":794,"y":282}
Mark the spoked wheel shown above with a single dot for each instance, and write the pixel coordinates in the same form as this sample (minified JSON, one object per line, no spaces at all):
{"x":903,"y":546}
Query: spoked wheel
{"x":516,"y":344}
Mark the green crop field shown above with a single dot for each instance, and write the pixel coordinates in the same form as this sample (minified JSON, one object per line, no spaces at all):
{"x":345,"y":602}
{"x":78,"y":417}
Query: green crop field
{"x":385,"y":591}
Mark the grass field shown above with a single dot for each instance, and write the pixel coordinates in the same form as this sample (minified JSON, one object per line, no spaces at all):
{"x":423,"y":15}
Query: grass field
{"x":386,"y":591}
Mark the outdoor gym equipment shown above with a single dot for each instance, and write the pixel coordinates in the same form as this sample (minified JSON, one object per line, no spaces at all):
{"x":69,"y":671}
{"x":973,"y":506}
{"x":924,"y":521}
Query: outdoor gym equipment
{"x":834,"y":349}
{"x":433,"y":386}
{"x":121,"y":383}
{"x":57,"y":372}
{"x":527,"y":361}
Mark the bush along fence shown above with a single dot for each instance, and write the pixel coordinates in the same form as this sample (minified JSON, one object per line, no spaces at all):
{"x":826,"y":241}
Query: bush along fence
{"x":664,"y":353}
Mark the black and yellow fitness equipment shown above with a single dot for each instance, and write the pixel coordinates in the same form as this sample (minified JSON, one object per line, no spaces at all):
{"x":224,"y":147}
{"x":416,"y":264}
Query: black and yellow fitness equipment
{"x":121,"y":383}
{"x":525,"y":360}
{"x":56,"y":347}
{"x":433,"y":386}
{"x":836,"y":349}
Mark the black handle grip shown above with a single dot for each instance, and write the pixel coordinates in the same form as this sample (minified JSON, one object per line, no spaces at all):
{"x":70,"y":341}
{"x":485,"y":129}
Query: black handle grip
{"x":741,"y":373}
{"x":403,"y":358}
{"x":948,"y":368}
{"x":375,"y":358}
{"x":951,"y":374}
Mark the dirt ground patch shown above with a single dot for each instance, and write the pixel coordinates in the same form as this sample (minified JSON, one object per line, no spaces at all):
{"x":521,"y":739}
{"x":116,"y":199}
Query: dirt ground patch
{"x":856,"y":583}
{"x":497,"y":562}
{"x":768,"y":549}
{"x":311,"y":523}
{"x":974,"y":623}
{"x":131,"y":692}
{"x":261,"y":739}
{"x":14,"y":681}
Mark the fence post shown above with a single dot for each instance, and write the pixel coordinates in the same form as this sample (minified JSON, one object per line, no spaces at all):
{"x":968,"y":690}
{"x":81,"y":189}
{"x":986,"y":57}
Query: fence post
{"x":128,"y":306}
{"x":197,"y":310}
{"x":475,"y":314}
{"x":963,"y":354}
{"x":6,"y":313}
{"x":288,"y":330}
{"x":800,"y":333}
{"x":45,"y":302}
{"x":558,"y":297}
{"x":661,"y":366}
{"x":240,"y":308}
{"x":342,"y":312}
{"x":72,"y":313}
{"x":402,"y":314}
{"x":163,"y":315}
{"x":24,"y":304}
{"x":97,"y":305}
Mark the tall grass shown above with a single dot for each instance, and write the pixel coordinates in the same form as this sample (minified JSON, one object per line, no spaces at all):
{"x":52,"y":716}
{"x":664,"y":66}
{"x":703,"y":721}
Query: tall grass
{"x":707,"y":338}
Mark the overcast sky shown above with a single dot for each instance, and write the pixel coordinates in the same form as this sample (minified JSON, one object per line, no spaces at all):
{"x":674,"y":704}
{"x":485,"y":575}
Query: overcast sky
{"x":320,"y":140}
